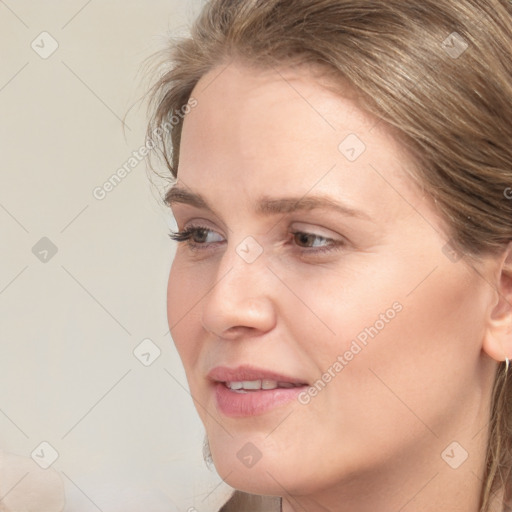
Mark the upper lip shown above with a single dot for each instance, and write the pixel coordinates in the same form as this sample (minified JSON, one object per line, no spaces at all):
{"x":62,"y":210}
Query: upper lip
{"x":248,"y":373}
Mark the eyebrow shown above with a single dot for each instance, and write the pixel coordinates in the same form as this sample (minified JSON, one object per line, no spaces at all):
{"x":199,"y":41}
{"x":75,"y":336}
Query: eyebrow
{"x":267,"y":205}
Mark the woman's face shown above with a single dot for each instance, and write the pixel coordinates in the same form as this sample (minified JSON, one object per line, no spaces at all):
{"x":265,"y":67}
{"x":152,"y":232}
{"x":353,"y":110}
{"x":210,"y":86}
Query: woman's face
{"x":317,"y":266}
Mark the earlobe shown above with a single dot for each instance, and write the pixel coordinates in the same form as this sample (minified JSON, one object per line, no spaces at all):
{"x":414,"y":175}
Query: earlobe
{"x":498,"y":337}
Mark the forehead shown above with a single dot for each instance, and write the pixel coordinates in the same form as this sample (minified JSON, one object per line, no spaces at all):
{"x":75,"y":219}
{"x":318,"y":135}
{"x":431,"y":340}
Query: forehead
{"x":291,"y":103}
{"x":263,"y":131}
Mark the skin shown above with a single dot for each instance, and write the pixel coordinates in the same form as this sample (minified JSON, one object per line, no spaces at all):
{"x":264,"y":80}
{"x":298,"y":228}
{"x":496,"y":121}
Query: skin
{"x":372,"y":439}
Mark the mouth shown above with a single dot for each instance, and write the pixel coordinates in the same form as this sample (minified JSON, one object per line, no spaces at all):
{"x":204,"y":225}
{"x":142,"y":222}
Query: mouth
{"x":248,"y":386}
{"x":247,"y":391}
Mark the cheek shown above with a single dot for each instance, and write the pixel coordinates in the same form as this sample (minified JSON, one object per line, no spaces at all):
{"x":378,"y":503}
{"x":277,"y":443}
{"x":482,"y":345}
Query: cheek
{"x":330,"y":309}
{"x":421,"y":360}
{"x":184,"y":294}
{"x":410,"y":331}
{"x":416,"y":309}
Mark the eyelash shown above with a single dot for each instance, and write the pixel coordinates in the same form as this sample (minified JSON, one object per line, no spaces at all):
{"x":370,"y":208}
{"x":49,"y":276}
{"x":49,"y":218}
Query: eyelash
{"x":186,"y":235}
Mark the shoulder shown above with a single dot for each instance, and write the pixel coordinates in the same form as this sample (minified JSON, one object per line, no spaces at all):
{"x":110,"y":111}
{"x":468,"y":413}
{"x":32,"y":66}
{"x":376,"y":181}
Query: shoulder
{"x":243,"y":502}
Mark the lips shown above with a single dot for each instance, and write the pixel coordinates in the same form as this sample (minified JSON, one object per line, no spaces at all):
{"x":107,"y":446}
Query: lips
{"x":249,"y":373}
{"x":248,"y":391}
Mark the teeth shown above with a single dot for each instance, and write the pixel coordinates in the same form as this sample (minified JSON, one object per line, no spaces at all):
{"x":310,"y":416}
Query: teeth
{"x":258,"y":384}
{"x":251,"y":384}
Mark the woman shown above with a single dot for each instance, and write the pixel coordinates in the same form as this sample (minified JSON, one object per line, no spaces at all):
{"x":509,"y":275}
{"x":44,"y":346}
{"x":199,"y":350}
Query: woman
{"x":341,"y":296}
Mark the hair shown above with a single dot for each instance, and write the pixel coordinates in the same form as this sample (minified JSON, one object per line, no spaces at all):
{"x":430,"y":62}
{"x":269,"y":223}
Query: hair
{"x":438,"y":72}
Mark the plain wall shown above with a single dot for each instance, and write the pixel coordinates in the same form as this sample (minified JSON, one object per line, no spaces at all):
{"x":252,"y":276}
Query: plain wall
{"x":127,"y":434}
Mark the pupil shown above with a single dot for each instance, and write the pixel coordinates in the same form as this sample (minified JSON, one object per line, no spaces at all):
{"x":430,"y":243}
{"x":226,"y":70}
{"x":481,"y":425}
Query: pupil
{"x":305,"y":239}
{"x":200,"y":236}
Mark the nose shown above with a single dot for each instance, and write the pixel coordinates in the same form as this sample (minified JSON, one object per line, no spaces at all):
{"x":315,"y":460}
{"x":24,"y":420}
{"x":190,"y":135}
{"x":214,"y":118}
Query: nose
{"x":239,"y":303}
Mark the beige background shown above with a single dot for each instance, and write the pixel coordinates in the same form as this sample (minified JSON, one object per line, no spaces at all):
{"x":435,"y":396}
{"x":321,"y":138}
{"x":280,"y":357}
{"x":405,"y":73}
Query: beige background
{"x":127,"y":435}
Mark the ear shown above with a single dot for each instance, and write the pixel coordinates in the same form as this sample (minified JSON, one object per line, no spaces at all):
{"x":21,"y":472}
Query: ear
{"x":498,"y":337}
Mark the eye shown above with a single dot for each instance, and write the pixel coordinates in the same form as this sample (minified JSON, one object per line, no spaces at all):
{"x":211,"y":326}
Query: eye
{"x":310,"y":239}
{"x":314,"y":243}
{"x":203,"y":238}
{"x":196,"y":236}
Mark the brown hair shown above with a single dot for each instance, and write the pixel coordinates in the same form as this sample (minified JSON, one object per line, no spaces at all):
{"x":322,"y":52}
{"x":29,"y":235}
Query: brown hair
{"x":438,"y":71}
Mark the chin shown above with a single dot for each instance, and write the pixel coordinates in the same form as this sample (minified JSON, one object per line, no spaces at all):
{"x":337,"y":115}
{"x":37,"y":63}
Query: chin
{"x":267,"y":471}
{"x":259,"y":464}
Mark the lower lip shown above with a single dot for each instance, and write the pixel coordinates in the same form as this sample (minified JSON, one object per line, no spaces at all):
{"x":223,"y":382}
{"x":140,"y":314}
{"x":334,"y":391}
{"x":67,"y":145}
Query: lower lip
{"x":252,"y":403}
